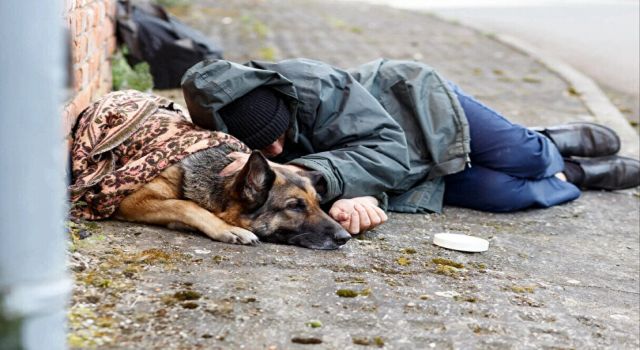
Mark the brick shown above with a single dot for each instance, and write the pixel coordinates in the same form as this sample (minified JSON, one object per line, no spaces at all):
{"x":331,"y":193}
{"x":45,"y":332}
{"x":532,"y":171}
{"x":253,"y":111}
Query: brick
{"x":95,"y":40}
{"x":86,"y":74}
{"x":101,"y":36}
{"x":98,"y":40}
{"x":105,"y":68}
{"x":105,"y":50}
{"x":108,"y":29}
{"x":112,"y":45}
{"x":70,"y":25}
{"x":79,"y":48}
{"x":98,"y":13}
{"x":73,"y":109}
{"x":110,"y":9}
{"x":94,"y":66}
{"x":105,"y":4}
{"x":93,"y":87}
{"x":91,"y":43}
{"x":76,"y":55}
{"x":104,"y":87}
{"x":78,"y":21}
{"x":82,"y":99}
{"x":87,"y":15}
{"x":105,"y":75}
{"x":78,"y":77}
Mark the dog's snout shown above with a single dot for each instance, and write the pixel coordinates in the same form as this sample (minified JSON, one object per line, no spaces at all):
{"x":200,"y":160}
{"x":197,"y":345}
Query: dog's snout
{"x":341,"y":237}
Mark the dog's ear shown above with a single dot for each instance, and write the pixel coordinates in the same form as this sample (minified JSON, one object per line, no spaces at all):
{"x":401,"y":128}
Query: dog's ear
{"x":317,"y":180}
{"x":255,"y":180}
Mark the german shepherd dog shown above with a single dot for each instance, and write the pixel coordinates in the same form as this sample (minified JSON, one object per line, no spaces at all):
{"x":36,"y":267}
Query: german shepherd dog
{"x":258,"y":203}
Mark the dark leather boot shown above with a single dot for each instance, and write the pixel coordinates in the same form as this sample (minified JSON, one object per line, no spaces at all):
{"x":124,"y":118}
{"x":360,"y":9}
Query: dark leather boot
{"x":582,"y":139}
{"x":604,"y":173}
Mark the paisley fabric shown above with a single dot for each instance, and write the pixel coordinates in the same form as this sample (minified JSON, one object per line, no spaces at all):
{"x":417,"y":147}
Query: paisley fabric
{"x":124,"y":141}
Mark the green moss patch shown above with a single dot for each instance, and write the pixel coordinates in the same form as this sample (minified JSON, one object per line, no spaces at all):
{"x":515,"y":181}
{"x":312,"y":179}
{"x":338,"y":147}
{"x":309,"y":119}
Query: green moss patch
{"x":314,"y":324}
{"x":447,"y":271}
{"x":187,"y":295}
{"x":447,"y":262}
{"x":408,"y":251}
{"x":306,"y":340}
{"x":522,"y":289}
{"x":350,"y":293}
{"x":366,"y":341}
{"x":403,"y":261}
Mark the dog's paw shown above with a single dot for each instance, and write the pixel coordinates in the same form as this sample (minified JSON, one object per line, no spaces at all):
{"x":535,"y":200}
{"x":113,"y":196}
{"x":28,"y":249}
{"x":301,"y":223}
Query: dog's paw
{"x":237,"y":235}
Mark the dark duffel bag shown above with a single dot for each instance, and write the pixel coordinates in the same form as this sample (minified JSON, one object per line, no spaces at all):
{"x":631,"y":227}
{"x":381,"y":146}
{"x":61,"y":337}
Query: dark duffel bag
{"x":169,"y":46}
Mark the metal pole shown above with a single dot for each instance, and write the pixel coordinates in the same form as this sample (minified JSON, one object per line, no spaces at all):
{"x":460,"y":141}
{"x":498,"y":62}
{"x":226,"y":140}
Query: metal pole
{"x":34,"y":286}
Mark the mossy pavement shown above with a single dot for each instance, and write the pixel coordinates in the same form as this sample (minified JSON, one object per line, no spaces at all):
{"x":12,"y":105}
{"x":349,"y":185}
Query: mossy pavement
{"x":559,"y":278}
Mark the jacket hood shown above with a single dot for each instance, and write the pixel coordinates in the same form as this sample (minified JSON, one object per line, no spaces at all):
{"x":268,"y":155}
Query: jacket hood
{"x":212,"y":84}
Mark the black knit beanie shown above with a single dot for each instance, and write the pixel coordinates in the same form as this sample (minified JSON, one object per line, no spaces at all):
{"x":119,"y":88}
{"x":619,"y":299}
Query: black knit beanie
{"x":257,"y":118}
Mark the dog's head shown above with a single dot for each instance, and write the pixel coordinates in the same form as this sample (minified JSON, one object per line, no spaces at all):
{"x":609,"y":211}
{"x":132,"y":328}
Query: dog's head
{"x":281,"y":206}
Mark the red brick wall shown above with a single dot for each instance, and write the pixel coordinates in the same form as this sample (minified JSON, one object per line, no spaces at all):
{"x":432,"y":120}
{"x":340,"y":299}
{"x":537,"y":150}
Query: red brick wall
{"x":91,"y":25}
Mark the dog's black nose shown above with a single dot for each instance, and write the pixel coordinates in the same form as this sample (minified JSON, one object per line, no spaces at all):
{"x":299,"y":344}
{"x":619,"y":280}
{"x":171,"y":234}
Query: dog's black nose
{"x":341,"y":237}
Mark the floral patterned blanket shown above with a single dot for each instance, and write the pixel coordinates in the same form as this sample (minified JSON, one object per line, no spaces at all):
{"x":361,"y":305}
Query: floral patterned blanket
{"x":124,"y":141}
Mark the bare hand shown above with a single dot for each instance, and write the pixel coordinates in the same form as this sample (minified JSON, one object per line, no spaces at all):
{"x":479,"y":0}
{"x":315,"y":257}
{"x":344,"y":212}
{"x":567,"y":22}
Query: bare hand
{"x":358,"y":214}
{"x":240,"y":159}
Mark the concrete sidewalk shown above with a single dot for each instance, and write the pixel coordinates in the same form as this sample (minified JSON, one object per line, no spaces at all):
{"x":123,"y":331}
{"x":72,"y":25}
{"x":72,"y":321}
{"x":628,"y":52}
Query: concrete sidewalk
{"x":560,"y":278}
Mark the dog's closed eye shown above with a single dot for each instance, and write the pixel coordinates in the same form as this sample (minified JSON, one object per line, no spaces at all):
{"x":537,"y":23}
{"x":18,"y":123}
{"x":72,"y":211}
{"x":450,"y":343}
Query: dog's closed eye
{"x":296,"y":204}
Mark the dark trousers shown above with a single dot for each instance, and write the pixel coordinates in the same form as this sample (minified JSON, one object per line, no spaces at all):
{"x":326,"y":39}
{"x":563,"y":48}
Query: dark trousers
{"x":512,"y":167}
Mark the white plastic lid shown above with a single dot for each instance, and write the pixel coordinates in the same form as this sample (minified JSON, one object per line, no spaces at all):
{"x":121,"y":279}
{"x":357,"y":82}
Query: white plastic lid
{"x":463,"y":243}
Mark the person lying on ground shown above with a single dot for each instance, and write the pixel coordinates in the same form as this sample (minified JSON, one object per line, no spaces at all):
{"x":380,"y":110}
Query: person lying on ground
{"x":396,"y":135}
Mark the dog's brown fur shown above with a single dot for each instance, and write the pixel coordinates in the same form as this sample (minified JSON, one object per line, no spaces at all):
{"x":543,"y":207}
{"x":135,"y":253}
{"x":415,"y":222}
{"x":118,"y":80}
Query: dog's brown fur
{"x":275,"y":204}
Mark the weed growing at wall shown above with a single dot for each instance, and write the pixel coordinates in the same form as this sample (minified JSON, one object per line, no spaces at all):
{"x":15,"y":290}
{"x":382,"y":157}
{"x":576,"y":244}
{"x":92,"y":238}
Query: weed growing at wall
{"x":126,"y":77}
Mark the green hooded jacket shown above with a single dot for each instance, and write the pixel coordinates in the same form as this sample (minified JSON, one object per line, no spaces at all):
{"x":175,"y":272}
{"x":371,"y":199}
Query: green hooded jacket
{"x":389,"y":129}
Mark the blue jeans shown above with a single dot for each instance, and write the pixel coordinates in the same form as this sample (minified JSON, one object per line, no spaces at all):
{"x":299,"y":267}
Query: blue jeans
{"x":512,"y":167}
